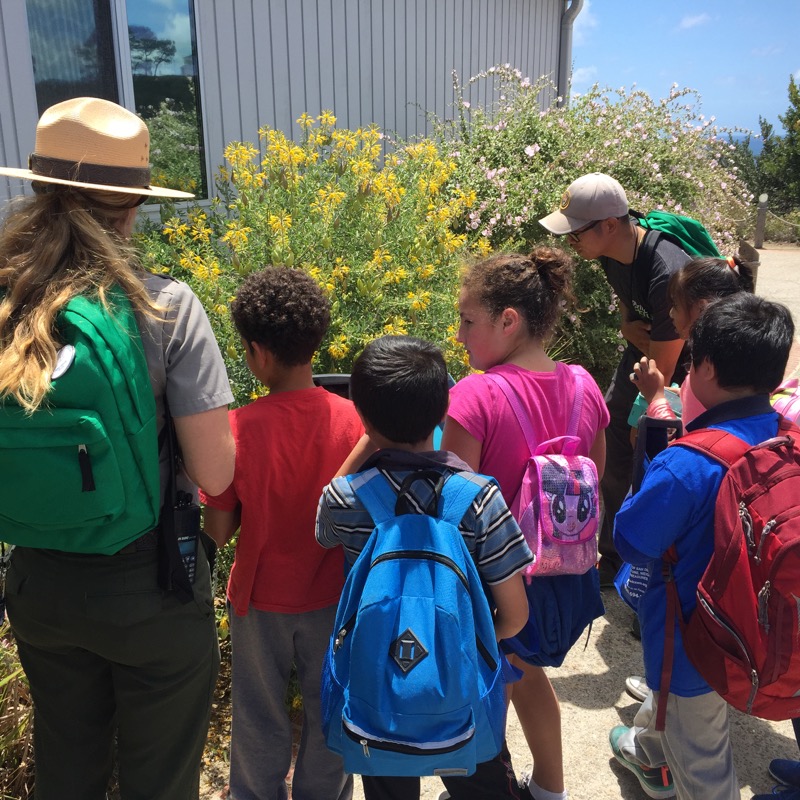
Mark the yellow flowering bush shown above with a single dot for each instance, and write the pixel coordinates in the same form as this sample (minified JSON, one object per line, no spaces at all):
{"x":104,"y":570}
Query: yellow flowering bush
{"x":371,"y":220}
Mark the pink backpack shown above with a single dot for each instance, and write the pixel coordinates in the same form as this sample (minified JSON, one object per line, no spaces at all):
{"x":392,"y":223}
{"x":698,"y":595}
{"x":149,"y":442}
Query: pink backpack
{"x":557,"y":505}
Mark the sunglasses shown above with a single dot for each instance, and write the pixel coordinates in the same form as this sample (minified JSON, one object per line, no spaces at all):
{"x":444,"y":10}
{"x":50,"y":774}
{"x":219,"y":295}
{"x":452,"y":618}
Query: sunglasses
{"x":575,"y":236}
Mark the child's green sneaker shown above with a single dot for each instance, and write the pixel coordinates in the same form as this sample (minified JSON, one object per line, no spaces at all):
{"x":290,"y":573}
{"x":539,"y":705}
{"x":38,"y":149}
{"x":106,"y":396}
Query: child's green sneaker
{"x":656,"y":781}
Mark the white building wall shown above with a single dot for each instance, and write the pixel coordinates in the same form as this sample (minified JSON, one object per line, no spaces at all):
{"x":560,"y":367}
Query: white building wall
{"x":265,"y":62}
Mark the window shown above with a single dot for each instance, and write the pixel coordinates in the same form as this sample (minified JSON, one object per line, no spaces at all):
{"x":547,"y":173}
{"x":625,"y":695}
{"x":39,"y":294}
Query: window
{"x":77,"y":51}
{"x":71,"y":50}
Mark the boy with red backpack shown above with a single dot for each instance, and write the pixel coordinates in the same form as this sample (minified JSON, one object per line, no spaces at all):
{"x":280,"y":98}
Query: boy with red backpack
{"x":740,"y":346}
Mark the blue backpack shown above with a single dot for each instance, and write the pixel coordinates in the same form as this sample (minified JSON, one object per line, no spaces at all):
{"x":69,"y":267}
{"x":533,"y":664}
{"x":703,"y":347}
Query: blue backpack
{"x":412,"y":683}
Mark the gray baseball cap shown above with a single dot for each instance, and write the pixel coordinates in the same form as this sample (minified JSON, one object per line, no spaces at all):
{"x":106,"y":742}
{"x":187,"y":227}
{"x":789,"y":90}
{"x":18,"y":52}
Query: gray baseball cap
{"x":587,"y":199}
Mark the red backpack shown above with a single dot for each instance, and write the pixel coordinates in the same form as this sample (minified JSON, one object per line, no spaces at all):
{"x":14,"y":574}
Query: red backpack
{"x":744,"y":636}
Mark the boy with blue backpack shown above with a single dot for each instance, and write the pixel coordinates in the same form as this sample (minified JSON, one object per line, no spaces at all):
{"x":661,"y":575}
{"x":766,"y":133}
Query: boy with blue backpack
{"x":414,"y":601}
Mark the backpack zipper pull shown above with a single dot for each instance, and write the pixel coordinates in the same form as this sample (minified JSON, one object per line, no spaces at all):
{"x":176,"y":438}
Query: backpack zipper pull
{"x":339,"y":640}
{"x":753,"y":690}
{"x":747,"y":526}
{"x":768,"y":528}
{"x":363,"y":743}
{"x":85,"y":465}
{"x":763,"y":599}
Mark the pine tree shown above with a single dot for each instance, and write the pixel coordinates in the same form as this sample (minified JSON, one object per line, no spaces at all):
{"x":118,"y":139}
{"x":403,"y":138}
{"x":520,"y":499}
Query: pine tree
{"x":779,"y":161}
{"x":791,"y":146}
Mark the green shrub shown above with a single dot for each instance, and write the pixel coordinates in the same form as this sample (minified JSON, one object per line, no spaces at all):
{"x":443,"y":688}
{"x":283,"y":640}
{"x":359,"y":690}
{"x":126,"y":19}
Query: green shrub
{"x":784,"y":228}
{"x":371,"y":221}
{"x":175,"y":146}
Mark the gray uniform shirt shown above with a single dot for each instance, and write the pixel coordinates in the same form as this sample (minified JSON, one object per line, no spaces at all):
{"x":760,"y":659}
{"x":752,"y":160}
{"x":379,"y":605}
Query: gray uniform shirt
{"x":182,"y":355}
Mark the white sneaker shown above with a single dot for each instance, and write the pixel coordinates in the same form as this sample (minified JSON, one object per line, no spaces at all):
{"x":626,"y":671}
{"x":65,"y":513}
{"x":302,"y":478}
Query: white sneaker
{"x":637,"y":687}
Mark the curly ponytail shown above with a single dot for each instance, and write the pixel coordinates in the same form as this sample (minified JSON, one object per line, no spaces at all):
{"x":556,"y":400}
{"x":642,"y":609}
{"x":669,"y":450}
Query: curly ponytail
{"x":535,"y":285}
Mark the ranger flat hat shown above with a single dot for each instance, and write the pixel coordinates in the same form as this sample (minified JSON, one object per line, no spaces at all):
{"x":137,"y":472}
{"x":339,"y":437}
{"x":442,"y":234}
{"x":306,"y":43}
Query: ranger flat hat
{"x":92,"y":144}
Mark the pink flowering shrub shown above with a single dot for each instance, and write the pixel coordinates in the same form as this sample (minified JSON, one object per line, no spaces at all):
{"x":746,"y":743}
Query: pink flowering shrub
{"x":519,"y":154}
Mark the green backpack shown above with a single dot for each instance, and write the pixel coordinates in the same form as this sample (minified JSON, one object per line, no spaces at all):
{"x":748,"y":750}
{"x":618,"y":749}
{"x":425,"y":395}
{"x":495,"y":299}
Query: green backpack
{"x":687,"y":233}
{"x":81,"y":473}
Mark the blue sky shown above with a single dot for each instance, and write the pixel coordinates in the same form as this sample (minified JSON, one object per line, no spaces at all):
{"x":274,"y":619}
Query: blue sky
{"x":738,"y":54}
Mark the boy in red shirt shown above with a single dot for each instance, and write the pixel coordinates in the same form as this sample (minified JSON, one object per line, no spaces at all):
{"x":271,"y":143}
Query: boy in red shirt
{"x":284,"y":588}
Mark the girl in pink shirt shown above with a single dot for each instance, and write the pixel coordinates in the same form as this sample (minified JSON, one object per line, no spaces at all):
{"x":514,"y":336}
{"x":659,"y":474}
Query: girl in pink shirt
{"x":509,"y":305}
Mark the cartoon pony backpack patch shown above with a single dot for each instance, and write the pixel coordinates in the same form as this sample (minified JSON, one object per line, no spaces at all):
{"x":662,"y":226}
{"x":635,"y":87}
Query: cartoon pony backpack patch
{"x":557,"y":506}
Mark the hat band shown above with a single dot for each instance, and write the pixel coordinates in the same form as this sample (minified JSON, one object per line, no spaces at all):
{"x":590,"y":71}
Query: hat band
{"x":81,"y":172}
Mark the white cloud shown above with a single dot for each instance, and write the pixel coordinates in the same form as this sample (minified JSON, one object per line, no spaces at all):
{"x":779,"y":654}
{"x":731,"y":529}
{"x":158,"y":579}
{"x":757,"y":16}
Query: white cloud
{"x":797,"y":75}
{"x":693,"y":22}
{"x":584,"y":76}
{"x":177,"y":28}
{"x":767,"y":51}
{"x":584,"y":22}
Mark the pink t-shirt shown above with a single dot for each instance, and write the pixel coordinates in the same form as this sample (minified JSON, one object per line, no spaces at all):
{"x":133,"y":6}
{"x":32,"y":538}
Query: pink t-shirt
{"x":691,"y":407}
{"x":480,"y":407}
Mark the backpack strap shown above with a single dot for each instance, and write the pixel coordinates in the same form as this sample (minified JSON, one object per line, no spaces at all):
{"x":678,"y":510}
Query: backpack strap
{"x":643,"y":265}
{"x":453,"y":494}
{"x":511,"y":395}
{"x":376,"y":494}
{"x":720,"y":445}
{"x":668,"y":561}
{"x":458,"y":494}
{"x":516,"y":406}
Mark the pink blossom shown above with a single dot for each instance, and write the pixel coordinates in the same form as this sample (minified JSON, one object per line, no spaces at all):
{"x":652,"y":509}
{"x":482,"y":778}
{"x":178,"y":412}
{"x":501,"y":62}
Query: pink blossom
{"x":532,"y":149}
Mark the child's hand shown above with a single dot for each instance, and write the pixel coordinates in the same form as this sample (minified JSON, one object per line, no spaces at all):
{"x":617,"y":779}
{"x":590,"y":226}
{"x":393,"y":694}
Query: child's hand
{"x":648,"y":379}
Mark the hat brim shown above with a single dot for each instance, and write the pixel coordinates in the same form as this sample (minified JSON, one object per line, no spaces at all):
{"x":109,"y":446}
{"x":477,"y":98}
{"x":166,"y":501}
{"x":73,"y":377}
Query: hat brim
{"x":149,"y":191}
{"x":560,"y":224}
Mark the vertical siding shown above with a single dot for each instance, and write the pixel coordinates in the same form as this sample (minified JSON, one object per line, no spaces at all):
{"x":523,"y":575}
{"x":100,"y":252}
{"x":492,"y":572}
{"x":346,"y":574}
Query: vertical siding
{"x":18,"y":110}
{"x":382,"y":61}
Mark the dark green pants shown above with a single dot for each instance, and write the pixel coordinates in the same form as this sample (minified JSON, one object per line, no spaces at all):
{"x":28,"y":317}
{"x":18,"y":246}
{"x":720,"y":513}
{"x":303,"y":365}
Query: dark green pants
{"x":105,"y":651}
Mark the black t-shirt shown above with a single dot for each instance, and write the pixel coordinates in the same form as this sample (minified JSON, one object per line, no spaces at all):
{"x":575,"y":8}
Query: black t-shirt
{"x":648,"y":300}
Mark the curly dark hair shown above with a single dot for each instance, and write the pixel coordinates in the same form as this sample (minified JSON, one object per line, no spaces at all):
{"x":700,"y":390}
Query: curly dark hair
{"x":283,"y":309}
{"x":533,"y":284}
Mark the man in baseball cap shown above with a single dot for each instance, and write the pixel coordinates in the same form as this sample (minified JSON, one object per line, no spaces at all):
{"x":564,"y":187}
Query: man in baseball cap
{"x":589,"y":198}
{"x":595,"y":218}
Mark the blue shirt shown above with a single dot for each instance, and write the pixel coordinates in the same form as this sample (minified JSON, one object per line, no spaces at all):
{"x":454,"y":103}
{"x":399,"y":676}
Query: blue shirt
{"x":675,"y":505}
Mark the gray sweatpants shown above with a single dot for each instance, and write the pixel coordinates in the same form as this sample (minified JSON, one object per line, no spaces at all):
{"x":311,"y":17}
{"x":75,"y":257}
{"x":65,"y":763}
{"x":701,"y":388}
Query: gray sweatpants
{"x":264,"y":645}
{"x":695,"y":744}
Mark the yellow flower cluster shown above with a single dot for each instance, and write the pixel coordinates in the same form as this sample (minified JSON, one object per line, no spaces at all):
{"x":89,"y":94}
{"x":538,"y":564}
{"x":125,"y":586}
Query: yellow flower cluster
{"x":374,"y":229}
{"x":280,"y":223}
{"x":395,"y":276}
{"x":419,"y":300}
{"x":328,"y":199}
{"x":236,"y":235}
{"x":338,"y":348}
